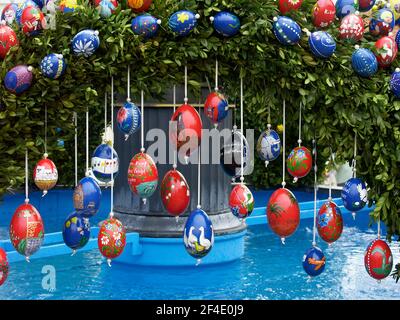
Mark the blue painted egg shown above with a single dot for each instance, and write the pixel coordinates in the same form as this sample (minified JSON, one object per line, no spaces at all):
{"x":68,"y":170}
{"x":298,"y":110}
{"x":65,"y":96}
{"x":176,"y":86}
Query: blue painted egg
{"x":145,"y":25}
{"x":364,"y":62}
{"x":314,"y":261}
{"x":53,"y":66}
{"x":9,"y":13}
{"x":87,"y":197}
{"x":216,"y":107}
{"x":382,"y":22}
{"x":105,"y":163}
{"x":183,"y":22}
{"x":345,"y":7}
{"x":18,"y":79}
{"x":39,"y":3}
{"x":86,"y":42}
{"x":366,"y":5}
{"x":395,"y":83}
{"x":76,"y":231}
{"x":198,"y":235}
{"x":398,"y":39}
{"x":354,"y":194}
{"x":322,"y":44}
{"x":269,"y":145}
{"x":286,"y":30}
{"x":20,"y":8}
{"x":129,"y":119}
{"x":226,"y":23}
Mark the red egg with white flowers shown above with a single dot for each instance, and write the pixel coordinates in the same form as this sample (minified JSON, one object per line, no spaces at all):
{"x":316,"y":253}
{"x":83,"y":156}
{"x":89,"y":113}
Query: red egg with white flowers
{"x":323,"y":13}
{"x":111,"y":239}
{"x":386,"y":51}
{"x":351,"y":27}
{"x":288,"y":5}
{"x":175,"y":193}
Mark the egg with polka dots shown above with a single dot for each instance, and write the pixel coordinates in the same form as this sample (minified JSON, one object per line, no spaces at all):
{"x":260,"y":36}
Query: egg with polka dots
{"x":364,"y":62}
{"x":286,"y":30}
{"x":53,"y":66}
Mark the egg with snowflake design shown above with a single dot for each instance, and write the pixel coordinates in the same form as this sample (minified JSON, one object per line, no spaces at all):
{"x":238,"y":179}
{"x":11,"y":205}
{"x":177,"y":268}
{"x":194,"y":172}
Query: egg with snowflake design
{"x":286,"y":30}
{"x":366,"y":5}
{"x":268,"y":145}
{"x":67,"y":6}
{"x":364,"y":62}
{"x":314,"y":261}
{"x":76,"y":231}
{"x":345,"y":7}
{"x":241,"y":201}
{"x":322,"y":44}
{"x":183,"y":22}
{"x":354,"y":194}
{"x":129,"y":119}
{"x":198,"y":234}
{"x":105,"y":163}
{"x":378,"y":259}
{"x":329,"y":222}
{"x":299,"y":162}
{"x":9,"y":12}
{"x":386,"y":51}
{"x":111,"y":239}
{"x":8,"y":39}
{"x":216,"y":107}
{"x":85,"y":43}
{"x":106,"y":7}
{"x":145,"y":25}
{"x":18,"y":79}
{"x":395,"y":83}
{"x":142,"y":175}
{"x":4,"y":268}
{"x":45,"y":174}
{"x":323,"y":13}
{"x":53,"y":66}
{"x":175,"y":194}
{"x":21,"y":7}
{"x":32,"y":21}
{"x":87,"y":197}
{"x":231,"y":155}
{"x":139,"y":5}
{"x":26,"y":230}
{"x":288,"y":5}
{"x":382,"y":22}
{"x":351,"y":27}
{"x":226,"y":24}
{"x":283,"y":213}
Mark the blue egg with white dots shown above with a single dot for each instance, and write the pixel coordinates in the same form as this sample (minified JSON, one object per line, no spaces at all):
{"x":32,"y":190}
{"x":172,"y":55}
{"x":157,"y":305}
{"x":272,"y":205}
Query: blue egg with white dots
{"x":286,"y":30}
{"x":364,"y":62}
{"x":53,"y":66}
{"x":397,"y":39}
{"x":322,"y":44}
{"x":395,"y":83}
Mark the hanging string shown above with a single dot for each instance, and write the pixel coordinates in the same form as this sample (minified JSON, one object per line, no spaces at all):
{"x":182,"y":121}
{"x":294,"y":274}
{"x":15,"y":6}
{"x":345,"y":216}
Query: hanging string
{"x":284,"y":141}
{"x":76,"y":147}
{"x":355,"y":155}
{"x":299,"y":141}
{"x":242,"y":131}
{"x":314,"y":243}
{"x":199,"y":177}
{"x":142,"y":149}
{"x":175,"y":151}
{"x":26,"y":177}
{"x":216,"y":76}
{"x":330,"y":178}
{"x":87,"y":142}
{"x":112,"y":148}
{"x":105,"y":112}
{"x":45,"y":131}
{"x":186,"y":87}
{"x":128,"y":89}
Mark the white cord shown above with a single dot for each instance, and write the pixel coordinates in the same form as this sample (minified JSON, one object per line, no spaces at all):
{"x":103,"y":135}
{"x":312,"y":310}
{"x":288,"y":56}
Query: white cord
{"x":379,"y":226}
{"x":128,"y":89}
{"x":26,"y":177}
{"x":175,"y":151}
{"x":314,"y":243}
{"x":216,"y":75}
{"x":112,"y":149}
{"x":105,"y":112}
{"x":45,"y":129}
{"x":76,"y":147}
{"x":142,"y":126}
{"x":199,"y":177}
{"x":299,"y":141}
{"x":186,"y":86}
{"x":355,"y":155}
{"x":284,"y":140}
{"x":241,"y":130}
{"x":87,"y":141}
{"x":330,"y":180}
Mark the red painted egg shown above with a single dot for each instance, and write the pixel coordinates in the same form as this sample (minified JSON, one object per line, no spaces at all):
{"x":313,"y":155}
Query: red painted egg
{"x":378,"y":259}
{"x":175,"y":194}
{"x":288,"y":5}
{"x":142,"y":175}
{"x":351,"y":27}
{"x":26,"y":230}
{"x":32,"y":20}
{"x":8,"y":39}
{"x":241,"y":201}
{"x":329,"y":222}
{"x":216,"y":107}
{"x":323,"y":13}
{"x":111,"y":238}
{"x":139,"y":5}
{"x":45,"y":174}
{"x":283,"y":212}
{"x":386,"y":51}
{"x":186,"y":131}
{"x":299,"y":162}
{"x":3,"y":266}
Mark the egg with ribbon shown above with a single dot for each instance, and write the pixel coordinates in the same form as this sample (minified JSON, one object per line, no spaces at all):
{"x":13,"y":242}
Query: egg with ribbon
{"x":268,"y":145}
{"x":322,"y":44}
{"x":175,"y":193}
{"x":67,"y":6}
{"x":129,"y":119}
{"x":354,"y":194}
{"x":20,"y":8}
{"x":345,"y":7}
{"x":323,"y":13}
{"x":241,"y":201}
{"x":364,"y":62}
{"x":18,"y":79}
{"x":26,"y":230}
{"x":105,"y":163}
{"x":8,"y":39}
{"x":32,"y":21}
{"x":299,"y":162}
{"x":76,"y":231}
{"x":145,"y":25}
{"x":45,"y":174}
{"x":53,"y":66}
{"x":198,"y":234}
{"x":366,"y":5}
{"x":139,"y":5}
{"x":314,"y":261}
{"x":226,"y":24}
{"x":286,"y":30}
{"x":111,"y":239}
{"x":9,"y":12}
{"x":106,"y":7}
{"x":142,"y":175}
{"x":395,"y":83}
{"x":329,"y":222}
{"x":382,"y":22}
{"x":87,"y":197}
{"x":351,"y":27}
{"x":85,"y":43}
{"x":4,"y":268}
{"x":288,"y":5}
{"x":386,"y":51}
{"x":216,"y":107}
{"x":231,"y":154}
{"x":378,"y":259}
{"x":183,"y":22}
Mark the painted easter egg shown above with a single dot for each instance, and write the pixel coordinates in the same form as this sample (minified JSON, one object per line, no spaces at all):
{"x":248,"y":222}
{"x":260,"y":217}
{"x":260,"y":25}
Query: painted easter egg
{"x":32,"y":21}
{"x":129,"y":119}
{"x":366,"y":5}
{"x":351,"y":27}
{"x":241,"y":201}
{"x":87,"y":197}
{"x":106,"y":7}
{"x":354,"y":194}
{"x":364,"y":62}
{"x":86,"y":42}
{"x":268,"y":145}
{"x":175,"y":193}
{"x":4,"y":268}
{"x":216,"y":107}
{"x":187,"y":131}
{"x":26,"y":230}
{"x":111,"y":239}
{"x":345,"y":7}
{"x":382,"y":22}
{"x":226,"y":23}
{"x":105,"y":163}
{"x":45,"y":174}
{"x":20,"y":8}
{"x":9,"y":12}
{"x":395,"y":83}
{"x":378,"y":259}
{"x":386,"y":51}
{"x":139,"y":5}
{"x":53,"y":66}
{"x":322,"y":44}
{"x":66,"y":6}
{"x":8,"y":39}
{"x":299,"y":162}
{"x":198,"y":234}
{"x":142,"y":175}
{"x":323,"y":13}
{"x":283,"y":213}
{"x":314,"y":261}
{"x":397,"y":39}
{"x":18,"y":79}
{"x":286,"y":30}
{"x":231,"y":154}
{"x":145,"y":25}
{"x":76,"y":231}
{"x":288,"y":5}
{"x":329,"y":222}
{"x":183,"y":22}
{"x":395,"y":6}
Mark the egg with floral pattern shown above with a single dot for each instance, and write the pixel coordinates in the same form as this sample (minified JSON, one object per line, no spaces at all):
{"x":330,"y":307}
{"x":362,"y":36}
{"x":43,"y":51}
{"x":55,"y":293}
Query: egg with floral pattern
{"x":18,"y":79}
{"x":87,"y":197}
{"x":142,"y":175}
{"x":323,"y":13}
{"x":382,"y":22}
{"x":111,"y":239}
{"x":139,"y":5}
{"x":8,"y":39}
{"x":76,"y":231}
{"x":226,"y":24}
{"x":314,"y":261}
{"x":329,"y":222}
{"x":129,"y":119}
{"x":53,"y":66}
{"x":9,"y":12}
{"x":20,"y":8}
{"x":322,"y":44}
{"x":345,"y":7}
{"x":4,"y":268}
{"x":183,"y":22}
{"x":32,"y":21}
{"x":351,"y":27}
{"x":106,"y":7}
{"x":175,"y":194}
{"x":299,"y":162}
{"x":378,"y":259}
{"x":105,"y":163}
{"x":354,"y":194}
{"x":241,"y":201}
{"x":286,"y":30}
{"x":386,"y":51}
{"x":145,"y":25}
{"x":85,"y":43}
{"x":364,"y":62}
